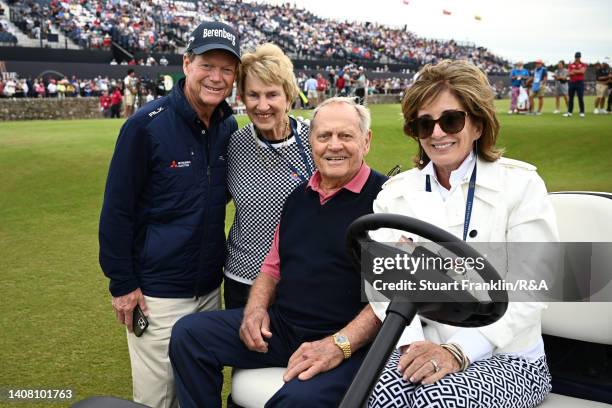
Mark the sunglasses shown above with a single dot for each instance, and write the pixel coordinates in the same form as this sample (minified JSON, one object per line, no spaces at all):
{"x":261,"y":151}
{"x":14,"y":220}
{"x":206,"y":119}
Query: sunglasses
{"x":451,"y":121}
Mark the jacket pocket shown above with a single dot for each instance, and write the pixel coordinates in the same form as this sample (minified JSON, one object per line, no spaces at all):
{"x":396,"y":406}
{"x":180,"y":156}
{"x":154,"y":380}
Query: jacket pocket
{"x":169,"y":250}
{"x":177,"y":179}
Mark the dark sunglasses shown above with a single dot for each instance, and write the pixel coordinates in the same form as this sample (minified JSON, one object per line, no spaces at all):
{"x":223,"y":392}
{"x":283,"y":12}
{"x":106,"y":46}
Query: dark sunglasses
{"x":451,"y":121}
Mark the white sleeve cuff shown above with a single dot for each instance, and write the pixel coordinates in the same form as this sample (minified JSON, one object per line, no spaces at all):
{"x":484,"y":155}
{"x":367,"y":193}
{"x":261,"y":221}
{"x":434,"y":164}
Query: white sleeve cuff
{"x":474,"y":344}
{"x":412,"y":333}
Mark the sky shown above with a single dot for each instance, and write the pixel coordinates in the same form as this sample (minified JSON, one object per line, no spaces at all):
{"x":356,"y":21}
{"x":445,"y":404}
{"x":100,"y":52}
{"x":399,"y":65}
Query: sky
{"x":525,"y":30}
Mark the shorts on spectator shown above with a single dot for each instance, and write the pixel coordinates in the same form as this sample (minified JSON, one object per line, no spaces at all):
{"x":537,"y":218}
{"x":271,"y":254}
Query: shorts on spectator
{"x":312,"y":94}
{"x":561,"y":89}
{"x":539,"y":93}
{"x":601,"y":90}
{"x":128,"y":99}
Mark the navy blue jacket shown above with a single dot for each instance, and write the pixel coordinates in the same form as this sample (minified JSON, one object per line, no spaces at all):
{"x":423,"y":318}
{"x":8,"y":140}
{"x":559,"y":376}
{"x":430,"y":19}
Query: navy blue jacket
{"x":162,"y":221}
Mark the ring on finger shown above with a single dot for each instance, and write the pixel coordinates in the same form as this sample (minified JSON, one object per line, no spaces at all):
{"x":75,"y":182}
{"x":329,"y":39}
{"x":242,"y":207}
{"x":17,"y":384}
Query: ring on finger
{"x":435,"y":365}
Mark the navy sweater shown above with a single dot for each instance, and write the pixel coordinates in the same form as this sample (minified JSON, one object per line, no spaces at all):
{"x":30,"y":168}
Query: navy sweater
{"x":319,"y":288}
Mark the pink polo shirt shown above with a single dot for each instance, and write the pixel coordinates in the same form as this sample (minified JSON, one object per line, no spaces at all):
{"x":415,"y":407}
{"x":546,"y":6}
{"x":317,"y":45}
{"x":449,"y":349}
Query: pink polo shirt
{"x":271,"y":264}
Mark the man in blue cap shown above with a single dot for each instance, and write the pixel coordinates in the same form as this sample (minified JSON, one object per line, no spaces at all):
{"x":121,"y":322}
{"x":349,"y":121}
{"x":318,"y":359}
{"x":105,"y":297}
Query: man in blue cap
{"x":162,"y":238}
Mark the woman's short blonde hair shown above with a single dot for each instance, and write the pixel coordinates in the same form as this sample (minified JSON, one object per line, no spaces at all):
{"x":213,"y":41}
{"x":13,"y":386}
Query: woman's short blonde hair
{"x":269,"y":64}
{"x":468,"y":84}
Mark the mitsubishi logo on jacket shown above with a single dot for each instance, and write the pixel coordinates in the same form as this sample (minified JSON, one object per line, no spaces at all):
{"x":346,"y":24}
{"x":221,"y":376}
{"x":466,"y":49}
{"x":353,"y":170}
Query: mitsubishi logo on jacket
{"x":179,"y":164}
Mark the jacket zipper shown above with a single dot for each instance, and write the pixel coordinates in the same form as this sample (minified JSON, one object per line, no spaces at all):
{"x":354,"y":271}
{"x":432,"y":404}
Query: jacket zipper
{"x":208,"y":171}
{"x":207,"y":147}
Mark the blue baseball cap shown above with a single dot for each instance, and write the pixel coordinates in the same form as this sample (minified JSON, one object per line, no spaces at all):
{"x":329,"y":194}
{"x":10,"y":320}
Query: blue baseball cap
{"x":214,"y":35}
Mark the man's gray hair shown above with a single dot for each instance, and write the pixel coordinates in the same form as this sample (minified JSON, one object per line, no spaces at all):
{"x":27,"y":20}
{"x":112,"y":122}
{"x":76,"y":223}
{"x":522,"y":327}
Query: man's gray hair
{"x":365,"y":119}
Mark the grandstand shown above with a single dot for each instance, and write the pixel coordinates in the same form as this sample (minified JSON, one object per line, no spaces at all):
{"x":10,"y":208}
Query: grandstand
{"x":88,"y":43}
{"x":7,"y":31}
{"x":30,"y":28}
{"x":6,"y":34}
{"x":162,"y":26}
{"x":92,"y":41}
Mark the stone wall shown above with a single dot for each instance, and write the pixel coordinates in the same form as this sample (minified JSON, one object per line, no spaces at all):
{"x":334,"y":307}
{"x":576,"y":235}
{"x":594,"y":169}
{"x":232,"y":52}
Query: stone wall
{"x":87,"y":108}
{"x":380,"y":98}
{"x":47,"y":108}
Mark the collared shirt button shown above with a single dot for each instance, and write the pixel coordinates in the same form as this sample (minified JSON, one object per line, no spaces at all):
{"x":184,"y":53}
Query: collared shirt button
{"x":203,"y":131}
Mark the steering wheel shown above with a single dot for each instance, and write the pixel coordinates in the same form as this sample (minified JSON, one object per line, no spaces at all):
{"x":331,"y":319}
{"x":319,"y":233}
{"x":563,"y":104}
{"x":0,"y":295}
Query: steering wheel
{"x":464,"y":311}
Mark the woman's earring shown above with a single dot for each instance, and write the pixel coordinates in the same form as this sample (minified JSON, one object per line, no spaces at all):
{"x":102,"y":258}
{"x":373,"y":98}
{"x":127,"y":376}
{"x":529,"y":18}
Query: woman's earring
{"x":421,"y":157}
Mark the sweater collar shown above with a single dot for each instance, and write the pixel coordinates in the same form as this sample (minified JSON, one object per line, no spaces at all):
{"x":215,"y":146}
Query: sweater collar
{"x":355,"y":185}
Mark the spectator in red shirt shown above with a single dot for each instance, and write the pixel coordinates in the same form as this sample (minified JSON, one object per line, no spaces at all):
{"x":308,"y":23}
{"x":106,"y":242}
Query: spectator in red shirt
{"x":105,"y":104}
{"x":321,"y":88}
{"x":340,"y":83}
{"x":116,"y":103}
{"x":576,"y":84}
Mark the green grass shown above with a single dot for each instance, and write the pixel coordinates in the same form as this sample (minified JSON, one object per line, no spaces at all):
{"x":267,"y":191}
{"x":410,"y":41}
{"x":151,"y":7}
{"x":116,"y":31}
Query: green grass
{"x":56,"y":323}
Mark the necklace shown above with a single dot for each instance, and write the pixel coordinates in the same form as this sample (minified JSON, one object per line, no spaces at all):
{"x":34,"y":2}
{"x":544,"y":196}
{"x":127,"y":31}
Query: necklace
{"x":259,"y":137}
{"x":286,"y":132}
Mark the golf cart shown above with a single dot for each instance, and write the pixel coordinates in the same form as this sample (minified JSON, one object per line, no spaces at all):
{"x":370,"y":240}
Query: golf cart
{"x":579,"y":354}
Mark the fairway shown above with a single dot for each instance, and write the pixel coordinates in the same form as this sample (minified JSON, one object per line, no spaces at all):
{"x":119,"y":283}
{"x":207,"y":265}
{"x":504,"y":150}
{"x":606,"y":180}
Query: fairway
{"x":58,"y":328}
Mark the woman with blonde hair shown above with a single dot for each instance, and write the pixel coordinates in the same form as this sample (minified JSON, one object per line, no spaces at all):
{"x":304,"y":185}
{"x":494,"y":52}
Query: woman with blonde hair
{"x":463,"y":185}
{"x":267,"y":159}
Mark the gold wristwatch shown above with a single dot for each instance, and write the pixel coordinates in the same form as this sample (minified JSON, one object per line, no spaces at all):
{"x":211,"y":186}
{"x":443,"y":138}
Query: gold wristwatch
{"x":342,"y":341}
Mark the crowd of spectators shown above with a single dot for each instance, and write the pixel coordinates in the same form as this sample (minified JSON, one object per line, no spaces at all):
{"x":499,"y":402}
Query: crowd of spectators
{"x":150,"y":61}
{"x":109,"y":92}
{"x":387,"y":86}
{"x":311,"y":36}
{"x":6,"y":36}
{"x":164,"y":26}
{"x":55,"y":88}
{"x":31,"y":18}
{"x":73,"y":87}
{"x":304,"y":35}
{"x":343,"y":81}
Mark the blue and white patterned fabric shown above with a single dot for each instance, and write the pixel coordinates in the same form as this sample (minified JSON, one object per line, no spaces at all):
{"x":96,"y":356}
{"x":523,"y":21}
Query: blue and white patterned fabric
{"x":500,"y":381}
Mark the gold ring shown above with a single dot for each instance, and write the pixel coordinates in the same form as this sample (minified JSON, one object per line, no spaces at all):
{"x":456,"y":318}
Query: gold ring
{"x":434,"y":363}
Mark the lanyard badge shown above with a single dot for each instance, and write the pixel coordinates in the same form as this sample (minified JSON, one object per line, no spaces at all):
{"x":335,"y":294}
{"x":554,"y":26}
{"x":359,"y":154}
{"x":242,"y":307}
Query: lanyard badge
{"x":468,"y":204}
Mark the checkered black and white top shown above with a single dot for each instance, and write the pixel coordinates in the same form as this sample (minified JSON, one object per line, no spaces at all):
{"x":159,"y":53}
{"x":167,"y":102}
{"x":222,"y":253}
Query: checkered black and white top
{"x":259,"y":181}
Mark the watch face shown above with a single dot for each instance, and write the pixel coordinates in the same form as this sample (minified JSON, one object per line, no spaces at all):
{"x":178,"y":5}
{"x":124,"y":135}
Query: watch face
{"x":341,"y":338}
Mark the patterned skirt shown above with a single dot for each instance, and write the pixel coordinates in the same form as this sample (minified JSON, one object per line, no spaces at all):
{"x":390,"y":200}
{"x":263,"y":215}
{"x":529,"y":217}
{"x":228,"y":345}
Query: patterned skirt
{"x":498,"y":382}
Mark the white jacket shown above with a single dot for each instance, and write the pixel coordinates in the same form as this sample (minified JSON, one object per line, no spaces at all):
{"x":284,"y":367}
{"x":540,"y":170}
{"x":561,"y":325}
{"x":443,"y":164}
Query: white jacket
{"x":510,"y":205}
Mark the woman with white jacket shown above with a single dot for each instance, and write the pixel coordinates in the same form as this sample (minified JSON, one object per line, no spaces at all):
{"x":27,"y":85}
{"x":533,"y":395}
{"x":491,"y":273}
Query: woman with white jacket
{"x":463,"y":185}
